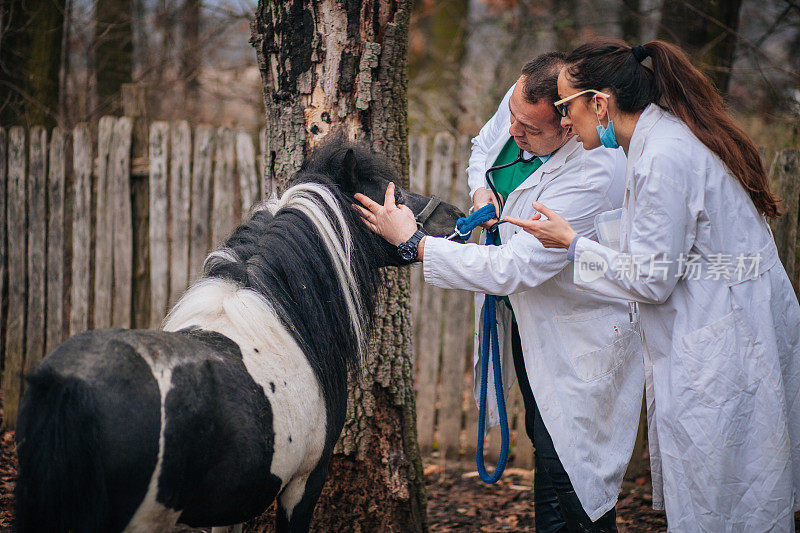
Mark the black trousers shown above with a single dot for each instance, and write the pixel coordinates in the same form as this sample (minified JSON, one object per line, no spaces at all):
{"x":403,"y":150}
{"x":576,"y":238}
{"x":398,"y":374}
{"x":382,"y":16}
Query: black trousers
{"x":556,"y":506}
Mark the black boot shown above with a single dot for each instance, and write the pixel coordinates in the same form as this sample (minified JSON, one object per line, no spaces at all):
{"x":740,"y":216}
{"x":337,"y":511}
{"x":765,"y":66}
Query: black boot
{"x":577,"y":519}
{"x":547,"y":515}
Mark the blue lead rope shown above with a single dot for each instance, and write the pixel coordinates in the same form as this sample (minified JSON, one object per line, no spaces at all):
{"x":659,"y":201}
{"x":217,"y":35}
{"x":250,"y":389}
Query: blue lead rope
{"x":464,"y":227}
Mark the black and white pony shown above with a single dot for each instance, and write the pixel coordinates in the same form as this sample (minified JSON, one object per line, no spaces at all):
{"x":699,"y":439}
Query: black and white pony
{"x":241,"y":398}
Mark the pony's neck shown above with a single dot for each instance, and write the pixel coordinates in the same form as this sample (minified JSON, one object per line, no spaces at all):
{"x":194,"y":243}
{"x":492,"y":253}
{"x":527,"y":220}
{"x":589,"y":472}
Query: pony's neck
{"x":306,"y":257}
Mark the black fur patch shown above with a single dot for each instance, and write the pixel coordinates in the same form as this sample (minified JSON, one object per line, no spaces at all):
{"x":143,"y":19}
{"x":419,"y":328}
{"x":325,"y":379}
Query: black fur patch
{"x":93,"y":410}
{"x":218,"y":439}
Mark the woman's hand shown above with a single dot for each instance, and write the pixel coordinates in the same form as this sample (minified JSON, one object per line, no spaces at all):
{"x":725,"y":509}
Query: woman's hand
{"x":394,"y":223}
{"x":555,"y":232}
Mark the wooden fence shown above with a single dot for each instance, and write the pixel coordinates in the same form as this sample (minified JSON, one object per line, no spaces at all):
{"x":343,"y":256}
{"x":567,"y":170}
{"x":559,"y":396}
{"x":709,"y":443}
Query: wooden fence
{"x":86,"y":245}
{"x":108,"y":228}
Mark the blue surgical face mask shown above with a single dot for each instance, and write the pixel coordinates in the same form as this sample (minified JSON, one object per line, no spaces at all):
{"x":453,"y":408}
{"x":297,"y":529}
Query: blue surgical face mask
{"x":607,"y":137}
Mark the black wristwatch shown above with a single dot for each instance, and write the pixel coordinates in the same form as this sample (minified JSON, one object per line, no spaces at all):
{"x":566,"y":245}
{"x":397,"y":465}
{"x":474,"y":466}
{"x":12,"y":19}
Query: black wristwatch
{"x":408,"y":250}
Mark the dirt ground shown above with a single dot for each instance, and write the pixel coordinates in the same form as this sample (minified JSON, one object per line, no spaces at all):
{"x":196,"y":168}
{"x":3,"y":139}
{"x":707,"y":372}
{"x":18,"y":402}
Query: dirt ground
{"x":457,"y":500}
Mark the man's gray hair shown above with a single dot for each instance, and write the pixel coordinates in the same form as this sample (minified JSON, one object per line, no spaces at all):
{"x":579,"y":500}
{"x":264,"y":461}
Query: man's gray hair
{"x":541,"y":78}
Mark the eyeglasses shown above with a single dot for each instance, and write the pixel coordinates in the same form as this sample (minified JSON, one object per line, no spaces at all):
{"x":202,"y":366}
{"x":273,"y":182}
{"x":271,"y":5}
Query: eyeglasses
{"x":563,"y":108}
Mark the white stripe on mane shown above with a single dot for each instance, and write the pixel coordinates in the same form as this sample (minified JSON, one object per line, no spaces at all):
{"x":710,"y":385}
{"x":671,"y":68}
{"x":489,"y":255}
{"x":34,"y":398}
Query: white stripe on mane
{"x":203,"y":299}
{"x":305,"y":198}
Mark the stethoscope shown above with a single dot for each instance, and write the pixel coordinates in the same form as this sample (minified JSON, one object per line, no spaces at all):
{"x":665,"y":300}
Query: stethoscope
{"x":520,"y":159}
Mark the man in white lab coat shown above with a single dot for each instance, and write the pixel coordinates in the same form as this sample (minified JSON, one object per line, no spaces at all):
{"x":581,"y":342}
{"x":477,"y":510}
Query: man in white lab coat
{"x":576,"y":355}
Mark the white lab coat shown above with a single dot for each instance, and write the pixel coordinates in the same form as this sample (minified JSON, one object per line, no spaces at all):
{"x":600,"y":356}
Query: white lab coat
{"x":582,"y":354}
{"x":722,"y":356}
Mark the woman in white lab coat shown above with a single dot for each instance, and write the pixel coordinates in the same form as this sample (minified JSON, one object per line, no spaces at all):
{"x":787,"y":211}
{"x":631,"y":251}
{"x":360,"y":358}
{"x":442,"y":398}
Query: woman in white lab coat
{"x":719,"y":318}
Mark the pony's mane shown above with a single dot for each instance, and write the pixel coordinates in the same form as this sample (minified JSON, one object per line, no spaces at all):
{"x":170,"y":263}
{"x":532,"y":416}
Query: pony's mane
{"x":313,"y":262}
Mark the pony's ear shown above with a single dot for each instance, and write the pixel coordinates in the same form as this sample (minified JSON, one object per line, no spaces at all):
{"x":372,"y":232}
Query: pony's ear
{"x":349,"y":176}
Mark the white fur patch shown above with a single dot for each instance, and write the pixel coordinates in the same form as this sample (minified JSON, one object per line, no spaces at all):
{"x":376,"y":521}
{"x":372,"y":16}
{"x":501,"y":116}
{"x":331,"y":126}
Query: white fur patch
{"x":151,"y":515}
{"x":292,"y":494}
{"x":298,"y":407}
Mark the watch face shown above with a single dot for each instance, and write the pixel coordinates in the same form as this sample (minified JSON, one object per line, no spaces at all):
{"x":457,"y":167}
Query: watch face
{"x":406,"y":251}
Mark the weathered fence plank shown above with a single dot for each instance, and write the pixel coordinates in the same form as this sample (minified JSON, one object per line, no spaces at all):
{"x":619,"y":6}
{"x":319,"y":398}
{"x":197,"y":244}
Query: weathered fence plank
{"x":104,"y":227}
{"x":134,"y":107}
{"x":123,"y":223}
{"x":37,"y":247}
{"x":159,"y":221}
{"x":463,"y":152}
{"x":430,"y":331}
{"x":55,"y":239}
{"x":81,"y":230}
{"x":3,"y":227}
{"x":17,"y":236}
{"x":428,"y":363}
{"x":201,"y":199}
{"x":471,"y":418}
{"x":458,"y":320}
{"x":418,"y":150}
{"x":523,"y":447}
{"x":785,"y":174}
{"x":638,"y":464}
{"x":246,"y":167}
{"x":223,"y":219}
{"x":513,"y":408}
{"x":460,"y":196}
{"x":180,"y":186}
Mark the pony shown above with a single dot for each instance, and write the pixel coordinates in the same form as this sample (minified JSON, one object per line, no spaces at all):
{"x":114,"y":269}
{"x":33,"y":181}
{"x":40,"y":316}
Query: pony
{"x":239,"y":400}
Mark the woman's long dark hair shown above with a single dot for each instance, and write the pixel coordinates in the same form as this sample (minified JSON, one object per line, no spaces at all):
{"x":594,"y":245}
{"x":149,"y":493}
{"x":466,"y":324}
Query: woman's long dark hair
{"x":677,"y":86}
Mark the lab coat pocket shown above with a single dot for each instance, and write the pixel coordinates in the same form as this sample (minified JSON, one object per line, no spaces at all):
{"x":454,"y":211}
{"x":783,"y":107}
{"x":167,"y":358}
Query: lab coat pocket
{"x":717,"y":359}
{"x":595,"y":342}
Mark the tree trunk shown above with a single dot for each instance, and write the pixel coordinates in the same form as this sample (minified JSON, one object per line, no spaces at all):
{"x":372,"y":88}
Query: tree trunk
{"x":566,"y":26}
{"x":435,"y":64}
{"x":30,"y":59}
{"x":114,"y":55}
{"x":328,"y":64}
{"x":190,"y":55}
{"x":706,"y":30}
{"x":630,"y":23}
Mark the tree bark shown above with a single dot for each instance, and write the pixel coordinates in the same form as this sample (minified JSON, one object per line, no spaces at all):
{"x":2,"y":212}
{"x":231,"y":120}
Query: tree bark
{"x":30,"y":58}
{"x":325,"y":65}
{"x":706,"y":30}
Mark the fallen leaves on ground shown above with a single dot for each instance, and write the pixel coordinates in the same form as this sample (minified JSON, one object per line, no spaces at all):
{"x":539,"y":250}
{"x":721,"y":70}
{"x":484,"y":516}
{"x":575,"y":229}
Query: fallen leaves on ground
{"x":458,"y":501}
